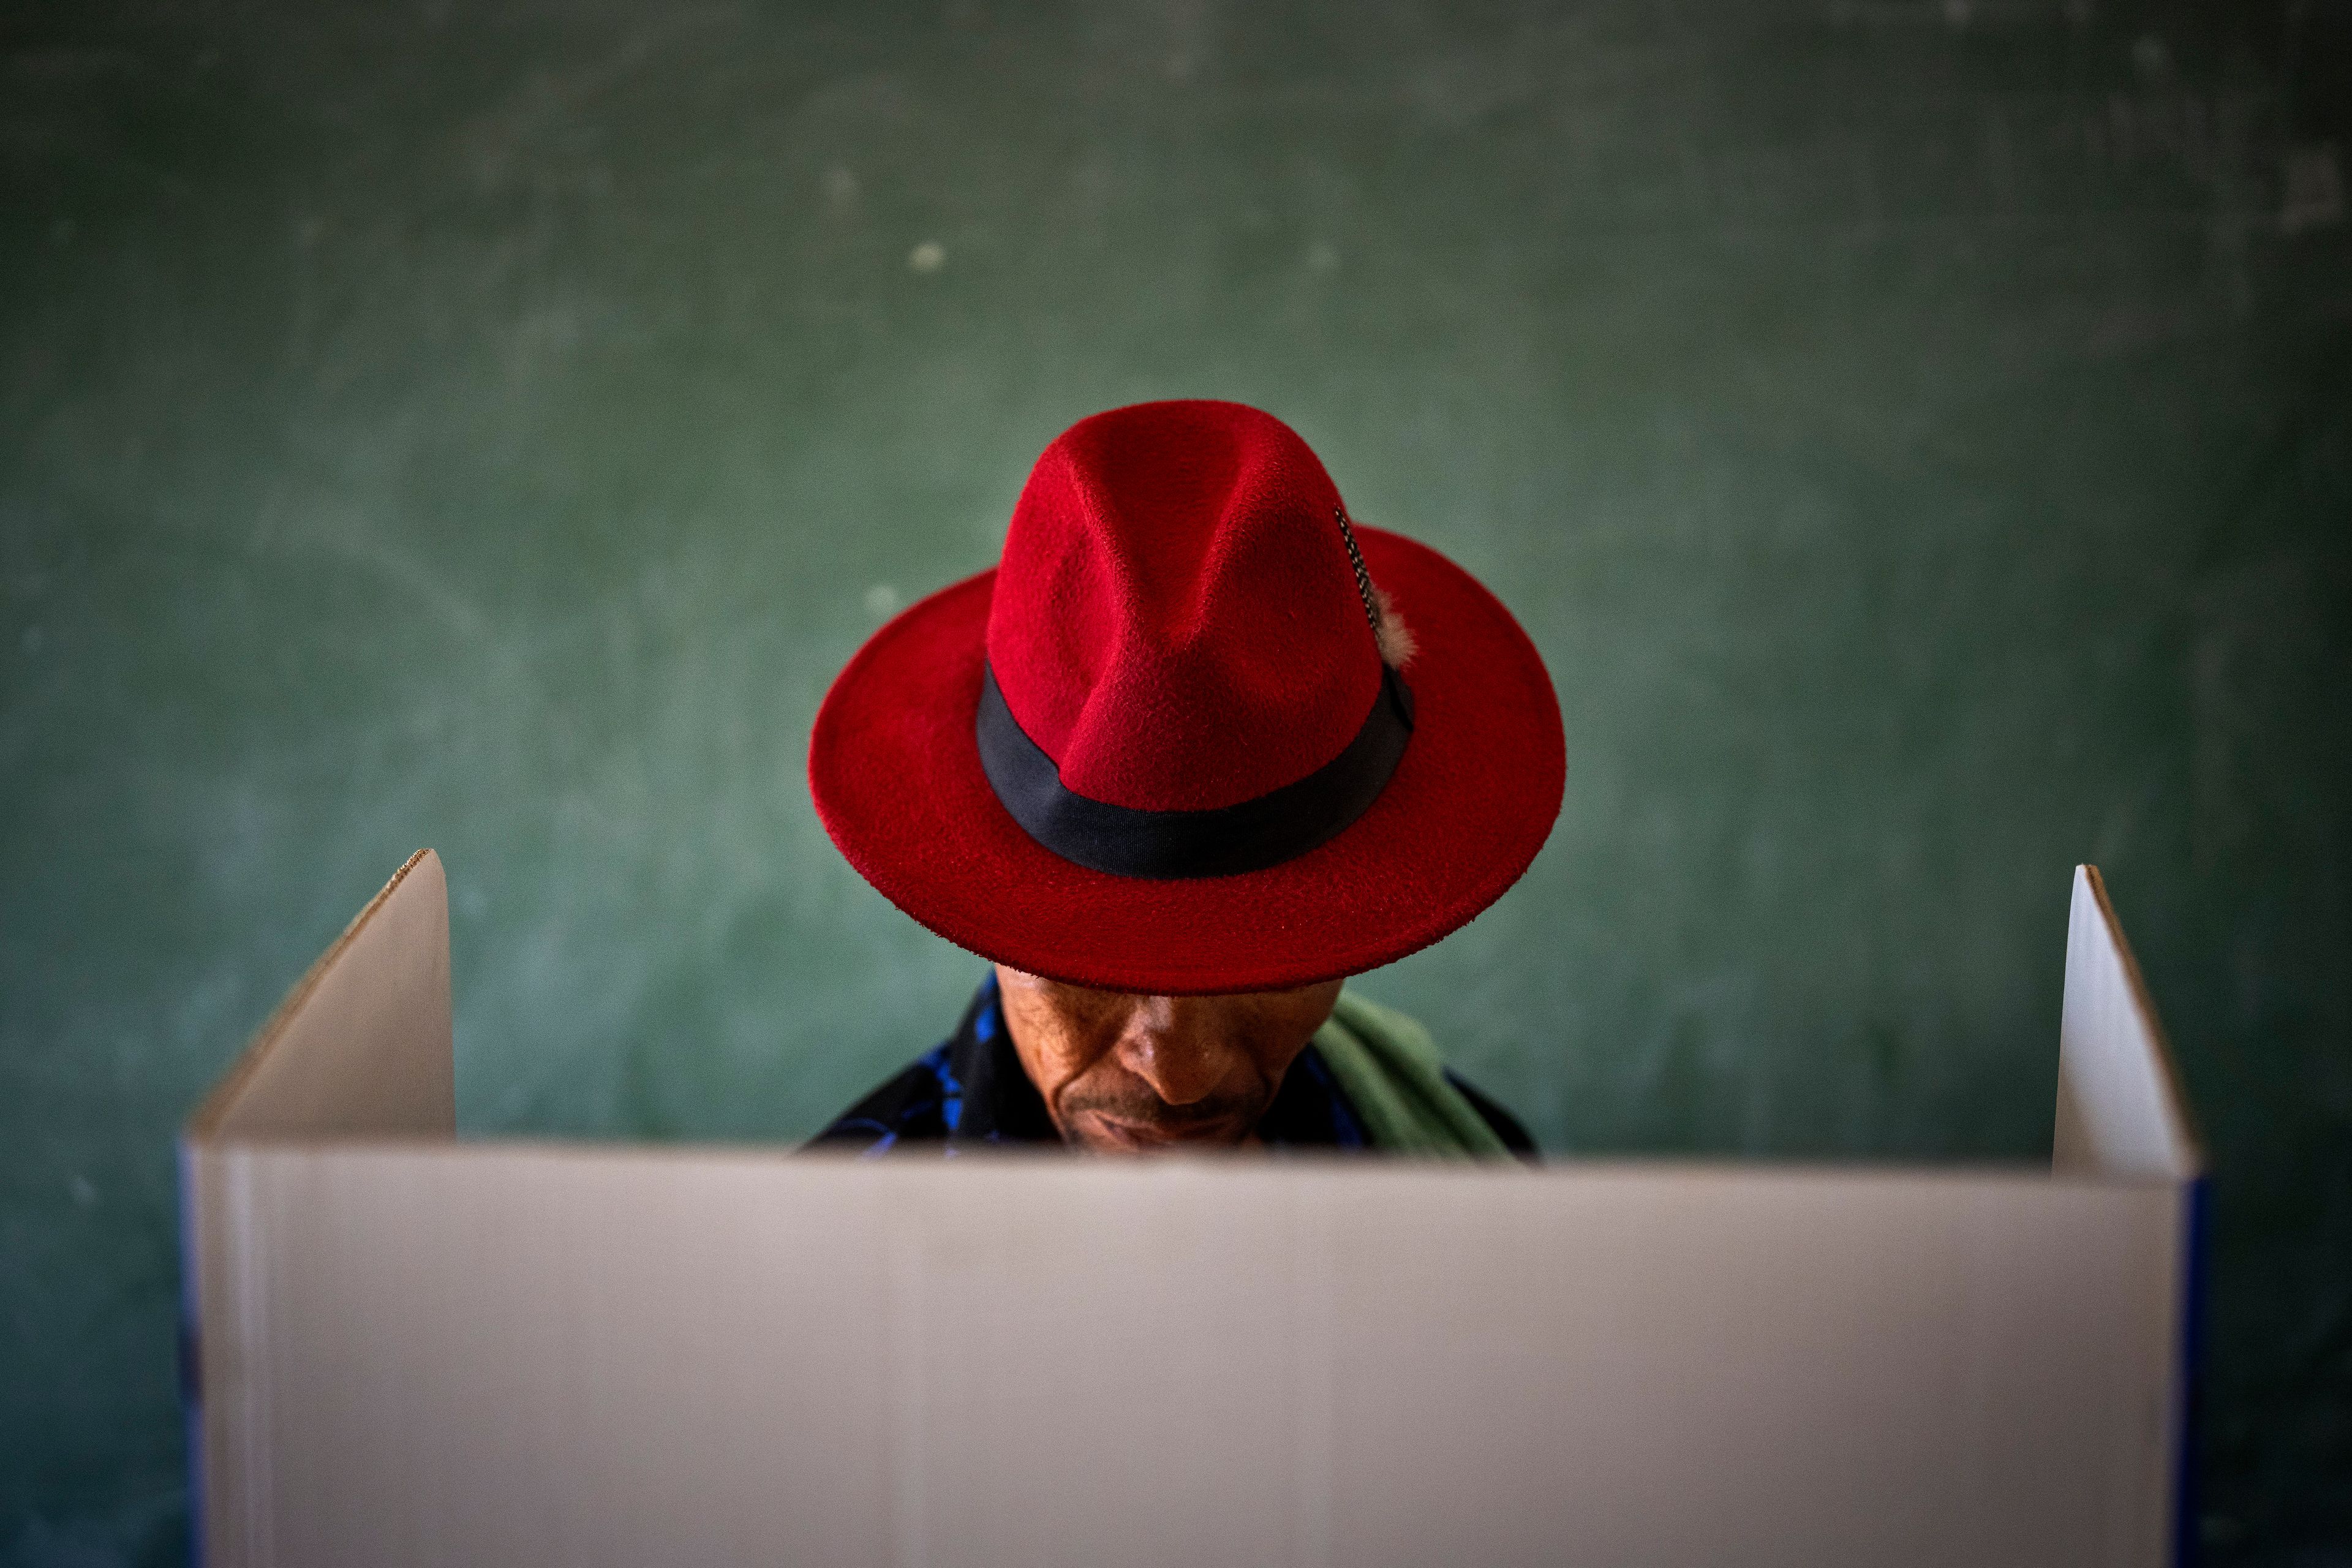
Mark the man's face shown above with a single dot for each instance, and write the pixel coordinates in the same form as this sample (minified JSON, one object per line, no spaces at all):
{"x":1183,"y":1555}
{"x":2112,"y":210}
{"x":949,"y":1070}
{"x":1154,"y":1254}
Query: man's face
{"x":1126,"y":1073}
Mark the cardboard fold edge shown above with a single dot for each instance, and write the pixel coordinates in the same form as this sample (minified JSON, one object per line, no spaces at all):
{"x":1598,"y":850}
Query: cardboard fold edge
{"x":221,"y":1347}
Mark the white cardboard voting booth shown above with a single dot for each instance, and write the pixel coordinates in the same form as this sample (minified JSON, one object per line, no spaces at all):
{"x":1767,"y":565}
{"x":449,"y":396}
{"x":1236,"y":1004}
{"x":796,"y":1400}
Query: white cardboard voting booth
{"x":409,"y":1348}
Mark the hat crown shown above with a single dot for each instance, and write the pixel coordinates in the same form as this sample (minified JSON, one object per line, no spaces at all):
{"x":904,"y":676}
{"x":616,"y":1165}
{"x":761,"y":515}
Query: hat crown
{"x":1175,"y":621}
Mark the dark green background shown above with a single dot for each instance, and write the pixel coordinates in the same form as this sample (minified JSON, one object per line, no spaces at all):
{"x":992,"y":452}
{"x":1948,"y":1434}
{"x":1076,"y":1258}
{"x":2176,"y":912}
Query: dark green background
{"x":1918,"y":436}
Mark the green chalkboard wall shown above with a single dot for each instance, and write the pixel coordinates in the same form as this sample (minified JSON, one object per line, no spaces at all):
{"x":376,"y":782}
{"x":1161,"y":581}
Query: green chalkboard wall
{"x":1918,"y":436}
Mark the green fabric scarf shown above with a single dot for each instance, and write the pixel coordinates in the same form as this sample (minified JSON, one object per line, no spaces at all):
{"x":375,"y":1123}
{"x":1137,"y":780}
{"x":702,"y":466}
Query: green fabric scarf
{"x":1388,"y":1068}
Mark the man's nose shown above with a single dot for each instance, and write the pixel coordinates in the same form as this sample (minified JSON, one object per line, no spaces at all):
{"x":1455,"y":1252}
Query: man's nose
{"x":1170,"y":1043}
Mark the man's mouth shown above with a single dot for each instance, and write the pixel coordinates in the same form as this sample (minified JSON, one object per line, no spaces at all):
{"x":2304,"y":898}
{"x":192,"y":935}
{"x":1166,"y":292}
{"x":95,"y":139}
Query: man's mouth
{"x":1139,"y":1136}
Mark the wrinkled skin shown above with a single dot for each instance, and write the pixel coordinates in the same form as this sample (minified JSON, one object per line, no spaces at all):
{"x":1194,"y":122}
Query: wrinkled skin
{"x":1127,"y":1074}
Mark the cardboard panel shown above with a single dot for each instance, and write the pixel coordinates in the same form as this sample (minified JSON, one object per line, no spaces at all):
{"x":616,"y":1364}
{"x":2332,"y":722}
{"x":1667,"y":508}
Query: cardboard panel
{"x":529,"y":1355}
{"x":362,"y":1045}
{"x":2120,"y":1110}
{"x":413,"y":1351}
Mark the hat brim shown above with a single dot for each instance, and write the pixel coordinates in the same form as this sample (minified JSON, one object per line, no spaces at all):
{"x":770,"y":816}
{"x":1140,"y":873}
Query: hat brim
{"x":896,"y":777}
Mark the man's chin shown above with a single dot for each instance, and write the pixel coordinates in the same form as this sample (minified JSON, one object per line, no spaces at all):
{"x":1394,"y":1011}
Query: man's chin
{"x":1117,"y":1135}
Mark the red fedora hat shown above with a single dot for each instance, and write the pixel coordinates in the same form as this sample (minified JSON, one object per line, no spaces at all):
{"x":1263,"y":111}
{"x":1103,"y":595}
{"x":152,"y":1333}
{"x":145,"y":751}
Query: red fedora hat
{"x":1196,"y":731}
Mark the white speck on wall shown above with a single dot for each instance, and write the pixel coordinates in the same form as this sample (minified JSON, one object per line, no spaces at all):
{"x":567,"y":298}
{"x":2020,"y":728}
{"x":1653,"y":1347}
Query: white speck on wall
{"x":85,"y":1191}
{"x":1322,"y":257}
{"x":882,"y":599}
{"x":2149,"y":56}
{"x":927,"y":256}
{"x":840,"y":185}
{"x":1956,"y":12}
{"x":2313,"y":192}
